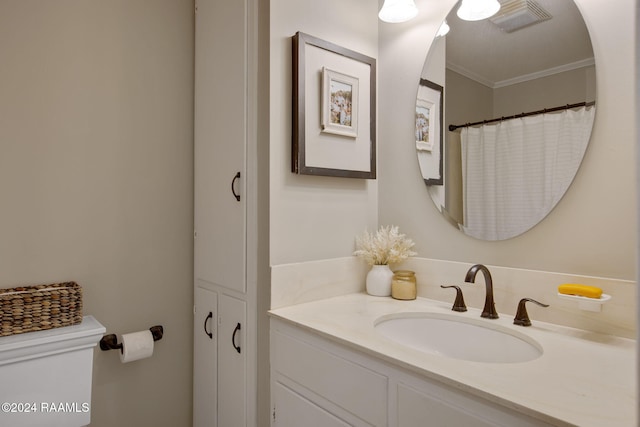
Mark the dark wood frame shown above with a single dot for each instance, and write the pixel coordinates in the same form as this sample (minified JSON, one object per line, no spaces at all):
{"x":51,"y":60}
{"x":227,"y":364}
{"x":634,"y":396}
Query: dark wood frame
{"x":437,"y":88}
{"x":298,"y":158}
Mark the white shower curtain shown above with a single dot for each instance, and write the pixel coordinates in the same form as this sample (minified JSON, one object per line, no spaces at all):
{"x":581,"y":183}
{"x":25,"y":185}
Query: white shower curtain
{"x":515,"y":171}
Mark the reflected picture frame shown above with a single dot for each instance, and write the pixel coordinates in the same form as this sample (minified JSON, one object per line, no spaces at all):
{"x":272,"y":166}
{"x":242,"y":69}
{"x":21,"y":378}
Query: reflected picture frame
{"x":429,"y":130}
{"x":324,"y":141}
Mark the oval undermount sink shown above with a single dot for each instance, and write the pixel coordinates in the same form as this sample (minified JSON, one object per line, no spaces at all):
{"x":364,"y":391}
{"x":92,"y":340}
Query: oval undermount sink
{"x":459,"y":338}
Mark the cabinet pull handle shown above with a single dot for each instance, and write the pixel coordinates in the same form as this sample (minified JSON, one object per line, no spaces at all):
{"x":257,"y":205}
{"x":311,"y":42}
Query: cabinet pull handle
{"x":233,"y":338}
{"x":210,"y":316}
{"x":233,"y":190}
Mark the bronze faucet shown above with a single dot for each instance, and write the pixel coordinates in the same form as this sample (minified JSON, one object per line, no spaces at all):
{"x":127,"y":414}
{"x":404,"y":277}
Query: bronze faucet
{"x":458,"y":304}
{"x":489,"y":310}
{"x":522,"y":317}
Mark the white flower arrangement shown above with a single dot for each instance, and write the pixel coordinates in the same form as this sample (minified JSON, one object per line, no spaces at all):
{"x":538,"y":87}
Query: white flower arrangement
{"x":386,"y":246}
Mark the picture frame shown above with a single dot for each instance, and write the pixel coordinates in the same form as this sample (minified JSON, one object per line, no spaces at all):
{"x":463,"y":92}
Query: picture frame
{"x":323,"y":143}
{"x":429,"y":131}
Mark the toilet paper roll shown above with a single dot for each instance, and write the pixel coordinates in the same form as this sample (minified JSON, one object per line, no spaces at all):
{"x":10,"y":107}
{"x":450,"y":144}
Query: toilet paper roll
{"x":136,"y":346}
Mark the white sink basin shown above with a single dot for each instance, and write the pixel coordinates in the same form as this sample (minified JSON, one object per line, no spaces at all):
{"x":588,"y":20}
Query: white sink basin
{"x":476,"y":340}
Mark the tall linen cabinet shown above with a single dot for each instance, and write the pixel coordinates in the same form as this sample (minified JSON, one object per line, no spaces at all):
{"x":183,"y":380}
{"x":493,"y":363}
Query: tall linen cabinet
{"x":231,"y":219}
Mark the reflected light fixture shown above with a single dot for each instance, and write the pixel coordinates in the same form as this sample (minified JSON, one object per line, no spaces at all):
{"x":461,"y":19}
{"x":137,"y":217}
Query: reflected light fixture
{"x":443,"y":30}
{"x":395,"y":11}
{"x":476,"y":10}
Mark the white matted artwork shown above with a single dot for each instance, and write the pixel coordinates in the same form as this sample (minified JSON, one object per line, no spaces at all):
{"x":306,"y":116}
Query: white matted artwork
{"x":339,"y":103}
{"x":424,"y":131}
{"x":334,"y":130}
{"x":428,"y":131}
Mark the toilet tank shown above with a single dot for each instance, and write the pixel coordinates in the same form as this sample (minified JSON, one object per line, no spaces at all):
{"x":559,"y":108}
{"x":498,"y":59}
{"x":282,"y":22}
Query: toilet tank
{"x":45,"y":376}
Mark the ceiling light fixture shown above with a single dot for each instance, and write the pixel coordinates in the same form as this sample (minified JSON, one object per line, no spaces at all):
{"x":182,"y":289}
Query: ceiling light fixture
{"x":476,"y":10}
{"x":395,"y":11}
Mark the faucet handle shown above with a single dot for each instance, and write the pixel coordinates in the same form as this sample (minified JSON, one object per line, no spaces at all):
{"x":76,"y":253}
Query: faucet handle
{"x":522,"y":317}
{"x":458,"y":304}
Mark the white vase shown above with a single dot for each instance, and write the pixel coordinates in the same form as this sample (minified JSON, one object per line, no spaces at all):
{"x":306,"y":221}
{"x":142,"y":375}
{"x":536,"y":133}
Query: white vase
{"x":379,"y":281}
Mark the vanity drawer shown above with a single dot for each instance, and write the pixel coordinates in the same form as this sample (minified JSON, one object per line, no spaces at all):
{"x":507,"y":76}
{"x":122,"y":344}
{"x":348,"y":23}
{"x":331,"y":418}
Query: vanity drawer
{"x":346,"y":384}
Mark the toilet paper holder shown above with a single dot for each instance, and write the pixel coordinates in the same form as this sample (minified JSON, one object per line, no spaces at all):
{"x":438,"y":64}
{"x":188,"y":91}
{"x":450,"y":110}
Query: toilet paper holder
{"x":110,"y":341}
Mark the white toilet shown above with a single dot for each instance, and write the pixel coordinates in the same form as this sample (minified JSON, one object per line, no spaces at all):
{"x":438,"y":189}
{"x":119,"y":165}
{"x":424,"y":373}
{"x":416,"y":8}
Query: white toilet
{"x":45,"y":376}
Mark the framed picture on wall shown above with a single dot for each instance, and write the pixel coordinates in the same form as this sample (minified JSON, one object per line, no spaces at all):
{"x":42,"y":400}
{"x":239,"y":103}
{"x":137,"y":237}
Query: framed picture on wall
{"x":428,"y":131}
{"x":334,"y":110}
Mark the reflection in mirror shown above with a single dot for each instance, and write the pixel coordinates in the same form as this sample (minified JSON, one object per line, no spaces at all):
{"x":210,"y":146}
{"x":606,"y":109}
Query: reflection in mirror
{"x":519,"y":92}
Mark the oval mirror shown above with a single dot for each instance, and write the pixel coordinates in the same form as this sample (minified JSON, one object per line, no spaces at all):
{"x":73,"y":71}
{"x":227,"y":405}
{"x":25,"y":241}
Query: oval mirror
{"x":504,"y":113}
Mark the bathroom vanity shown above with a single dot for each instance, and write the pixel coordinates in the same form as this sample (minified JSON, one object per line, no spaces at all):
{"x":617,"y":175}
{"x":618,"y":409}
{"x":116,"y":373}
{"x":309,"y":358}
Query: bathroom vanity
{"x":332,"y":367}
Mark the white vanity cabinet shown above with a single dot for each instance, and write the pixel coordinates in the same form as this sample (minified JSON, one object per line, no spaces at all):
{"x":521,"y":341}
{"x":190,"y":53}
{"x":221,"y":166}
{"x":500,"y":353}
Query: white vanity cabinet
{"x":322,"y":385}
{"x":318,"y":382}
{"x":225,"y":289}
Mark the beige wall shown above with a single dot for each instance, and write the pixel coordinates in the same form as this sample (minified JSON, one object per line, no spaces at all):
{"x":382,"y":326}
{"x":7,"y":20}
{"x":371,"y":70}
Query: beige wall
{"x":467,"y":100}
{"x":552,"y":91}
{"x":314,"y":217}
{"x":592,"y":231}
{"x":96,"y":146}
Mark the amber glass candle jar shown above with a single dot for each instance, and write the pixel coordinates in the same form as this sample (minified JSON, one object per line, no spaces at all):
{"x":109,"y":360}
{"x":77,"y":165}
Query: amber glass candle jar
{"x":403,"y":285}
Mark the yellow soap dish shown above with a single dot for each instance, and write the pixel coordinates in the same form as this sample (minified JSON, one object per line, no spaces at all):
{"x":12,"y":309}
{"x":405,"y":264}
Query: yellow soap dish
{"x":586,"y":303}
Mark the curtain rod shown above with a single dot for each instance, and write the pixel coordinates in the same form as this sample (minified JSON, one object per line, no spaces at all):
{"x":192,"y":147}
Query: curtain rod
{"x":517,"y":116}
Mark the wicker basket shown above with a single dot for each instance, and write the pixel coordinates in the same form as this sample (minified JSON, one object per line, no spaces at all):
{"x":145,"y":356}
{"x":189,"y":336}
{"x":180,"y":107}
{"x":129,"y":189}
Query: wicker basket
{"x":36,"y":308}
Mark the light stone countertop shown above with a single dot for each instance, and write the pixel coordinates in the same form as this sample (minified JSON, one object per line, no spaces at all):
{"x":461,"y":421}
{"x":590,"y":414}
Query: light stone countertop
{"x":582,"y":378}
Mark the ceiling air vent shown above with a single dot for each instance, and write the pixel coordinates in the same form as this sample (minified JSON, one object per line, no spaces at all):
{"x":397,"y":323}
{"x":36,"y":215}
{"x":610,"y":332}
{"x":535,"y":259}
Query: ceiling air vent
{"x":517,"y":14}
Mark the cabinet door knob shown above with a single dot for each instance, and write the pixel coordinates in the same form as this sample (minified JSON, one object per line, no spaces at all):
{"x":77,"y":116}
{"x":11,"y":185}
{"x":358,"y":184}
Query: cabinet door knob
{"x":233,"y":189}
{"x":210,"y":316}
{"x":233,"y":338}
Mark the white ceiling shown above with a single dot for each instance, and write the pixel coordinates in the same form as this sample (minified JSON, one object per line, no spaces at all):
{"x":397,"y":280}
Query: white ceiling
{"x":484,"y":52}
